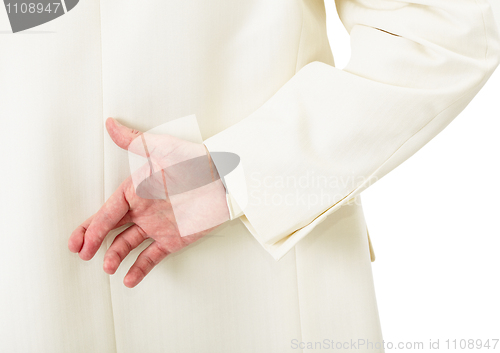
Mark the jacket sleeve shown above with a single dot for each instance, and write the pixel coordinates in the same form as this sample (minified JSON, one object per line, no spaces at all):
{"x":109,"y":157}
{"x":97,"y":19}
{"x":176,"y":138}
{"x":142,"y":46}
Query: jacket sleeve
{"x":327,"y":134}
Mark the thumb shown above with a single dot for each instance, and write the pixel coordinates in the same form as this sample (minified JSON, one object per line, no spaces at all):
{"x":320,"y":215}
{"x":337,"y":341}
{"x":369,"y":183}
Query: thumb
{"x":121,"y":135}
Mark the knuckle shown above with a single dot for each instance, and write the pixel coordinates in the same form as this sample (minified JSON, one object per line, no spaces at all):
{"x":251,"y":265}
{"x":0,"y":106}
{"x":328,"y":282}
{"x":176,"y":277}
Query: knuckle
{"x":127,"y":247}
{"x":92,"y":238}
{"x":161,"y":248}
{"x":149,"y":262}
{"x":115,"y":254}
{"x":142,"y":233}
{"x":141,"y":271}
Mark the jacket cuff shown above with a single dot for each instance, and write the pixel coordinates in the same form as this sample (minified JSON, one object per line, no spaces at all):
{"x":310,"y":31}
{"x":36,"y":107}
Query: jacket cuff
{"x":234,"y":209}
{"x":235,"y":180}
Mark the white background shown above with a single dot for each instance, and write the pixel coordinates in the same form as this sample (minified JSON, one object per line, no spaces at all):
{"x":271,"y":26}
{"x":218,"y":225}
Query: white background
{"x":434,"y":225}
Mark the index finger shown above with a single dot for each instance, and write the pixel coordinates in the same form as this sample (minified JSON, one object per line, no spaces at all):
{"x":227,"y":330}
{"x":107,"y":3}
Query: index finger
{"x":106,"y":219}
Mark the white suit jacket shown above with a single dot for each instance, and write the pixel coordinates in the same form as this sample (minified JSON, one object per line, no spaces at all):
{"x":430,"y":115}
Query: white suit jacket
{"x":260,"y":77}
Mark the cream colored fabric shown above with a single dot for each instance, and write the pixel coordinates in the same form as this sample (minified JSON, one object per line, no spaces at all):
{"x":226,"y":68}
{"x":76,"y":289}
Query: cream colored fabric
{"x":414,"y":66}
{"x":51,"y":180}
{"x":250,"y":71}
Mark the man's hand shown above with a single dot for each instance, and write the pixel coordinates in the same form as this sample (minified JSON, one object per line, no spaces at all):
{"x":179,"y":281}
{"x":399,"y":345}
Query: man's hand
{"x":173,"y":222}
